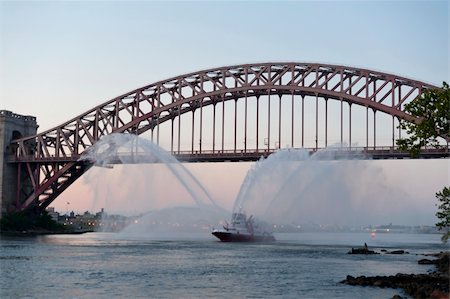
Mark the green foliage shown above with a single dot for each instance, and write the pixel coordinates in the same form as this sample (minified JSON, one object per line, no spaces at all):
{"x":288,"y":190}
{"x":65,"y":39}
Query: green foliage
{"x":19,"y":221}
{"x":46,"y":222}
{"x":443,"y":213}
{"x":26,"y":221}
{"x":432,"y":111}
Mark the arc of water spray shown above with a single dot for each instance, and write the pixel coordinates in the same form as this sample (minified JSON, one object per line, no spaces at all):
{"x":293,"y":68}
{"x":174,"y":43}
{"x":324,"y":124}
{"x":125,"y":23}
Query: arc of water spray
{"x":186,"y":186}
{"x":180,"y":178}
{"x":332,"y":153}
{"x":286,"y":183}
{"x":254,"y":173}
{"x":115,"y":140}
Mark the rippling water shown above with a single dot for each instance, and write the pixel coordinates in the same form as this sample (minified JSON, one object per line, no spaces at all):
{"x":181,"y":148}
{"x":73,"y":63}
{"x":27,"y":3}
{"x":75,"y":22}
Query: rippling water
{"x":103,"y":265}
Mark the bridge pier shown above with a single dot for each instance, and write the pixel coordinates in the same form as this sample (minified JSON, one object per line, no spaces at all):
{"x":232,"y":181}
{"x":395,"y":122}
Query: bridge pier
{"x":13,"y":126}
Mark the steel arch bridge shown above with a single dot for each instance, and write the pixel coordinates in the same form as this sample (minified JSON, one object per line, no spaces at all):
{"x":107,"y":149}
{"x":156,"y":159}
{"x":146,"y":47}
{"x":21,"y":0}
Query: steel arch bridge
{"x":244,"y":97}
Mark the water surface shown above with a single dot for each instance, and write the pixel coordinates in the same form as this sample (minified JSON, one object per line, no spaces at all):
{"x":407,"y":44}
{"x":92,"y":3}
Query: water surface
{"x":107,"y":265}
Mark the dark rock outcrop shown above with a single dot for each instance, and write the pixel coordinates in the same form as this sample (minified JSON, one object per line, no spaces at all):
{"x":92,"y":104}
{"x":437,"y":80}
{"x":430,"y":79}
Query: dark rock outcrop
{"x":443,"y":263}
{"x":434,"y":285}
{"x":426,"y":262}
{"x":398,"y":252}
{"x":362,"y":250}
{"x":416,"y":285}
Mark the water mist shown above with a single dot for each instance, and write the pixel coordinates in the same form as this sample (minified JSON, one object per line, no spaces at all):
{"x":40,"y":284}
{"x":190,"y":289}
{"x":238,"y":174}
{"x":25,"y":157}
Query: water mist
{"x":148,"y":181}
{"x":328,"y":187}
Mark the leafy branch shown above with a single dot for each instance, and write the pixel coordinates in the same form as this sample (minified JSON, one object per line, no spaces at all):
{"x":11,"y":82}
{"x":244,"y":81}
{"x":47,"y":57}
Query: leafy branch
{"x":432,"y":113}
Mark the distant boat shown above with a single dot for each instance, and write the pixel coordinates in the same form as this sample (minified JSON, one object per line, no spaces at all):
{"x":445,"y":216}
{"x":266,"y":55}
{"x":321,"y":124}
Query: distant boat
{"x":242,"y":230}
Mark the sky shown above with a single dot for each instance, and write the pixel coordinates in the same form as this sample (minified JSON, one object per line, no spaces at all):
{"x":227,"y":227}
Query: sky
{"x":59,"y":59}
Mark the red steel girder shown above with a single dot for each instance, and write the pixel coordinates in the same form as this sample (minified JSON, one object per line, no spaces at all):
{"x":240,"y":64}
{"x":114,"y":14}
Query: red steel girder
{"x":145,"y":108}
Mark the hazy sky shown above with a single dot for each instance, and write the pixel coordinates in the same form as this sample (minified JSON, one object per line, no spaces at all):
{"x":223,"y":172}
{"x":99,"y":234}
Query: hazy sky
{"x":59,"y":59}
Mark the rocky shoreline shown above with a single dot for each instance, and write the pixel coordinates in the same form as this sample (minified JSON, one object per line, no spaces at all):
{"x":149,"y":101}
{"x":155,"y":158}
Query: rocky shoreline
{"x":433,"y":285}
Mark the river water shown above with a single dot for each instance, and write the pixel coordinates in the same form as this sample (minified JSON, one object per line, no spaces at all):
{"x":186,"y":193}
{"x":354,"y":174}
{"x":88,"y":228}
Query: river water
{"x":111,"y":265}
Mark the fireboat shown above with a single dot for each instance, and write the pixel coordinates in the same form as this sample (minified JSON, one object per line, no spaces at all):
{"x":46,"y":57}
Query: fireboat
{"x":242,"y":229}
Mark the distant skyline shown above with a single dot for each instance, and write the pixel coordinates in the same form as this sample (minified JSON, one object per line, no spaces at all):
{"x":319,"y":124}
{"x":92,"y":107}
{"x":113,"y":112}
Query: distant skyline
{"x":60,"y":59}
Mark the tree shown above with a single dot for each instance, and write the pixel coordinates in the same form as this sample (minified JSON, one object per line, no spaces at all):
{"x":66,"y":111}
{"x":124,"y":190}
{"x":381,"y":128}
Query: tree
{"x":26,"y":221}
{"x":432,"y":113}
{"x":432,"y":121}
{"x":444,"y":212}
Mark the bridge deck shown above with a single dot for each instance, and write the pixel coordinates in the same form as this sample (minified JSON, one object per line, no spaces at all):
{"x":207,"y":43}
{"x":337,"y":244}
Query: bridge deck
{"x":251,"y":155}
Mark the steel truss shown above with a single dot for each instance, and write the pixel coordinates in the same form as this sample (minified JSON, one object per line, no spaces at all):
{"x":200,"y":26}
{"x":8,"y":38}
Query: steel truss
{"x":49,"y":161}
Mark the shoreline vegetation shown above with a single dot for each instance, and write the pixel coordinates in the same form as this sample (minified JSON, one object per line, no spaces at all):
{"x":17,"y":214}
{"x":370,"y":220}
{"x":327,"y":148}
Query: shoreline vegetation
{"x":27,"y":224}
{"x":433,"y":285}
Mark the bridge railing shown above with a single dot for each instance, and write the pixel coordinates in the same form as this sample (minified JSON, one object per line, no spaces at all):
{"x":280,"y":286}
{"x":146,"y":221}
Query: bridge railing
{"x":379,"y":152}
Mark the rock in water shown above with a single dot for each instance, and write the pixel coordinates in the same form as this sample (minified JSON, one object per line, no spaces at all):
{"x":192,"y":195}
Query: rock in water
{"x":426,"y":262}
{"x":434,"y":285}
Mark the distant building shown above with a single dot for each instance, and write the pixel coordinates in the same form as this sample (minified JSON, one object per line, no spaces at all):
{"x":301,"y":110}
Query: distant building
{"x":52,"y":213}
{"x":100,"y":214}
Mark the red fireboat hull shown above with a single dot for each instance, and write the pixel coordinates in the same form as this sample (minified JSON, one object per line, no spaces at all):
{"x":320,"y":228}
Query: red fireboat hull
{"x":231,"y":237}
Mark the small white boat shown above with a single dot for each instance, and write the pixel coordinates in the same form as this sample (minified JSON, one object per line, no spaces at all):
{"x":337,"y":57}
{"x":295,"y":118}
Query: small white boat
{"x":242,"y":230}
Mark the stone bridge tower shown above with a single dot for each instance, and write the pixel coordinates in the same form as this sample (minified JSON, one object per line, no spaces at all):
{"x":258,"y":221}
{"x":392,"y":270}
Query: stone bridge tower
{"x":12,"y":126}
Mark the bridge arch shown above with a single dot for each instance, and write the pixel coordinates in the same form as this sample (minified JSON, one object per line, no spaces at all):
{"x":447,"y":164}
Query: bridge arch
{"x":375,"y":90}
{"x":54,"y":164}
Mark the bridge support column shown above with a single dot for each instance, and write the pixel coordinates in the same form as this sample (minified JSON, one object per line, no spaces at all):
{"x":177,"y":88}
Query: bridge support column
{"x":12,"y":126}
